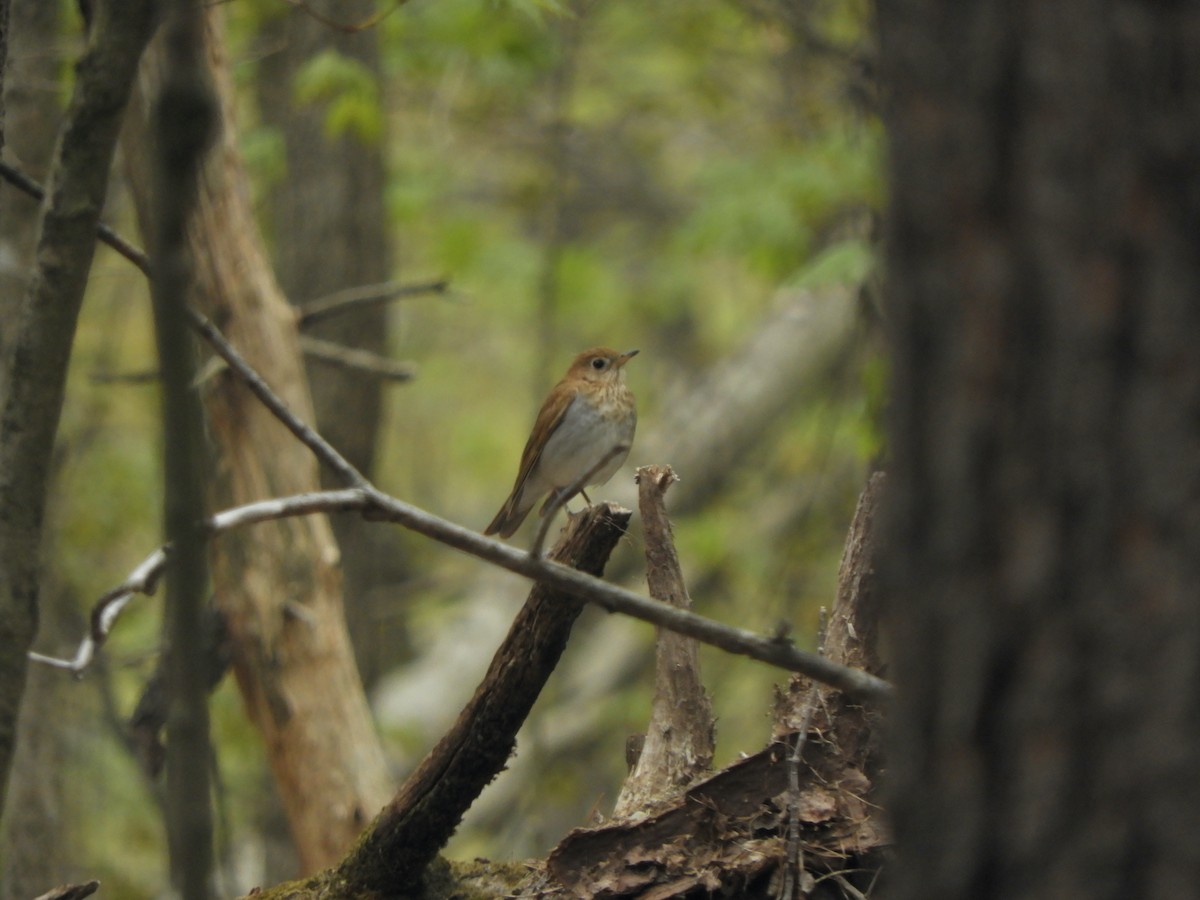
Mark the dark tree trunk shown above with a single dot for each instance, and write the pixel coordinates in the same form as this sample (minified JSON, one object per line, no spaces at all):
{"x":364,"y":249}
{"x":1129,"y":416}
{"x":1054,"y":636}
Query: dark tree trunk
{"x":36,"y":370}
{"x":32,"y":841}
{"x":330,"y":233}
{"x":1044,"y":548}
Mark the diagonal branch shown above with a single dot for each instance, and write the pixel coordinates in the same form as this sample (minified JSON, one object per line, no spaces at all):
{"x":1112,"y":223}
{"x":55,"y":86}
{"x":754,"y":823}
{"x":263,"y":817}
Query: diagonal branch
{"x":777,"y":651}
{"x":378,"y":506}
{"x":416,"y":824}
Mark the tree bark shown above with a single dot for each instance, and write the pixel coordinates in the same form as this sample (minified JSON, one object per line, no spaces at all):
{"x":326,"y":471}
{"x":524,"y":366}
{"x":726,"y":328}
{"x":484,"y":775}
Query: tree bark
{"x":31,"y":839}
{"x":397,"y":855}
{"x":278,"y":584}
{"x":678,"y":746}
{"x":805,"y":804}
{"x":36,"y":373}
{"x":185,"y":120}
{"x":28,"y":136}
{"x":330,"y":233}
{"x":1043,"y":552}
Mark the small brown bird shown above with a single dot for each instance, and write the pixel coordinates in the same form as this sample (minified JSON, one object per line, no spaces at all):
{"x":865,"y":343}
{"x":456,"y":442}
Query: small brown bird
{"x":586,"y":424}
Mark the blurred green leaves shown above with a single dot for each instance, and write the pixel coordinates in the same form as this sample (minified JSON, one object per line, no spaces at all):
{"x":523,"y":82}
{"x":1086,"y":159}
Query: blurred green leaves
{"x":349,"y":92}
{"x":649,"y":175}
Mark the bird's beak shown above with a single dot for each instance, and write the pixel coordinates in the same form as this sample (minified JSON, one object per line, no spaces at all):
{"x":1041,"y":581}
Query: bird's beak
{"x":625,"y":357}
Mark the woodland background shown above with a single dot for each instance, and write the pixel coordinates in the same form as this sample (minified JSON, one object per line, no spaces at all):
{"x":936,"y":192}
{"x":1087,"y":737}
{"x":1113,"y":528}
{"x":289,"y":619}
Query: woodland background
{"x":675,"y":177}
{"x":699,"y":181}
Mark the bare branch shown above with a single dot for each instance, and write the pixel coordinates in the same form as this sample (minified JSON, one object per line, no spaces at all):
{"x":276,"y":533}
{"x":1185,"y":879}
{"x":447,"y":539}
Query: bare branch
{"x":371,"y":364}
{"x":350,"y":299}
{"x":378,"y":506}
{"x":321,"y":448}
{"x":21,"y":181}
{"x":71,"y":891}
{"x":145,"y":577}
{"x":415,"y":825}
{"x":777,"y":651}
{"x":346,"y":28}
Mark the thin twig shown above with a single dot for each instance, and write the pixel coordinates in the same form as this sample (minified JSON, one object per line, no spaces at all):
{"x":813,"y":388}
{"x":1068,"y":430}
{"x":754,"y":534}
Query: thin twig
{"x":777,"y":651}
{"x":71,"y":891}
{"x":350,"y":299}
{"x":145,"y":577}
{"x":794,"y":878}
{"x":851,"y":891}
{"x":20,"y":180}
{"x":346,"y":28}
{"x":320,"y":447}
{"x":378,"y":506}
{"x":562,"y":496}
{"x":362,"y":361}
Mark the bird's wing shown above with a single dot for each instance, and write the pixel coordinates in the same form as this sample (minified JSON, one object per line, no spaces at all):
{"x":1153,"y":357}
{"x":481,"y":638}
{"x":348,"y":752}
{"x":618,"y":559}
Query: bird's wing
{"x":550,"y":417}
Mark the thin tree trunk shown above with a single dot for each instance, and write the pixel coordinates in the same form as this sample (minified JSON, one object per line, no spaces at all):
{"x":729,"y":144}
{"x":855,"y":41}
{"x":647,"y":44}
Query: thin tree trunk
{"x":37,"y":370}
{"x":1044,"y":545}
{"x":29,"y":130}
{"x":278,"y":584}
{"x":33,"y":846}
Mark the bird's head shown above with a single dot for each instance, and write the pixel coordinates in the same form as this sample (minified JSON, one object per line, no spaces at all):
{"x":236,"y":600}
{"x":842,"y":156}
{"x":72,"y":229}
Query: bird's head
{"x":600,"y":364}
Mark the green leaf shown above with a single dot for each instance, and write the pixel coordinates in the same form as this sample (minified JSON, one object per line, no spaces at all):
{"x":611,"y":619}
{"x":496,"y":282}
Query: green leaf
{"x":348,"y":91}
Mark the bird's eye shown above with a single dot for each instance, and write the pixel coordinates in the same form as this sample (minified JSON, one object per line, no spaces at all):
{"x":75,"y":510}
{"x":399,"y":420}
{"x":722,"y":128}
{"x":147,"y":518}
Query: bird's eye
{"x":599,"y":362}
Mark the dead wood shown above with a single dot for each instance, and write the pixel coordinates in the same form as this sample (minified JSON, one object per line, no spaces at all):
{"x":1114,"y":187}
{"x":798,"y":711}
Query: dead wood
{"x":678,"y":746}
{"x":729,"y":831}
{"x":413,"y":827}
{"x":71,"y":891}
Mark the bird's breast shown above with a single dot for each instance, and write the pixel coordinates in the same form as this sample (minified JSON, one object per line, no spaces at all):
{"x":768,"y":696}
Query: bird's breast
{"x":587,"y":434}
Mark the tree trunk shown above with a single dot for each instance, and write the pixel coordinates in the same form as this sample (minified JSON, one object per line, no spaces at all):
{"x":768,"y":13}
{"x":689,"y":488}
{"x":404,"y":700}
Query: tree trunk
{"x":36,"y":372}
{"x":29,"y":88}
{"x":1044,"y":546}
{"x":330,"y":233}
{"x":278,"y":584}
{"x":31,"y":841}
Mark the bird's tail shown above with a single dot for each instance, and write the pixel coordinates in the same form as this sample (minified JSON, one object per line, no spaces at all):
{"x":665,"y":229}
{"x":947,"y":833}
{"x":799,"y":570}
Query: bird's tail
{"x":510,"y":517}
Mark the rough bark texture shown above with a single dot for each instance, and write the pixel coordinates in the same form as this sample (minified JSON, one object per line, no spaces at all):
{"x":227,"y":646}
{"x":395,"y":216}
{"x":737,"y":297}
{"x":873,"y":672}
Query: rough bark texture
{"x":278,"y":584}
{"x":31,"y":839}
{"x":394,"y":857}
{"x":27,"y":135}
{"x":1044,"y":543}
{"x":678,"y":747}
{"x":330,"y":233}
{"x":36,"y":374}
{"x":780,"y":811}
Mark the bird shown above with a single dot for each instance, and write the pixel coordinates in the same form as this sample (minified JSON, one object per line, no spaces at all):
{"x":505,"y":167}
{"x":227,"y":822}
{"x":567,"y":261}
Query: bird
{"x":582,"y":435}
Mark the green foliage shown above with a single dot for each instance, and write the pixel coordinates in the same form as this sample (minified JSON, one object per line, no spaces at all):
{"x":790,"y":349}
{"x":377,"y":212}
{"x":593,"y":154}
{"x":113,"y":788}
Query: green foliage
{"x":708,"y":160}
{"x":349,"y":92}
